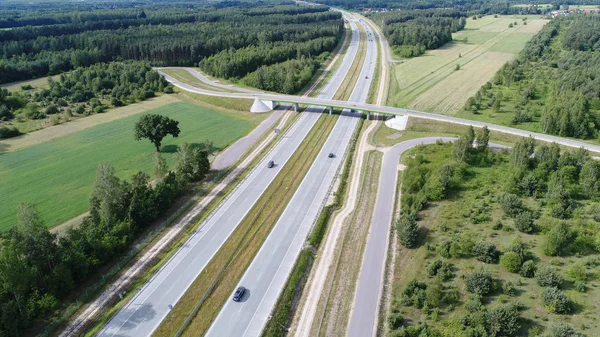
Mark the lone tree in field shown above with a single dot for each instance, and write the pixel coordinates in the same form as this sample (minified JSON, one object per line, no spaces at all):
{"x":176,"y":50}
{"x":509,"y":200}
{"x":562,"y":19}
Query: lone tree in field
{"x":155,"y":128}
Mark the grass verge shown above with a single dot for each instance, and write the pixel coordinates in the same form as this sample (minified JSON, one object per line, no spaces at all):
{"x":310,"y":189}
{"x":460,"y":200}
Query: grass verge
{"x":335,"y":306}
{"x":213,"y":286}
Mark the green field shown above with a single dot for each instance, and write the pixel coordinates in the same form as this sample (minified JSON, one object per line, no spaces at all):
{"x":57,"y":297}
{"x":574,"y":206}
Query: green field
{"x":432,"y":83}
{"x":58,"y":175}
{"x":38,"y":83}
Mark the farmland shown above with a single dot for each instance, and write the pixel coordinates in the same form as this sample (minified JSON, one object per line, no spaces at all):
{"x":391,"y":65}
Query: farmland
{"x":58,"y":175}
{"x":432,"y":83}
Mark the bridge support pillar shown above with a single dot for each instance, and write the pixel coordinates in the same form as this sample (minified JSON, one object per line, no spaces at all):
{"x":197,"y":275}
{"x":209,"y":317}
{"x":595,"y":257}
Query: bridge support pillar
{"x":330,"y":110}
{"x":368,"y":115}
{"x":296,"y":107}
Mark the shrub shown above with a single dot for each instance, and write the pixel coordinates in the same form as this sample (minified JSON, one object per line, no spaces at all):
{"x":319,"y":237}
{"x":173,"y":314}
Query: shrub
{"x":32,"y":112}
{"x":509,"y":288}
{"x":395,"y":320}
{"x":580,"y":286}
{"x":557,"y":240}
{"x":440,"y":268}
{"x":8,"y":132}
{"x":479,"y":282}
{"x":524,"y":222}
{"x":511,"y":261}
{"x":578,"y":272}
{"x":434,"y":293}
{"x":5,"y":113}
{"x":80,"y":109}
{"x":408,"y":230}
{"x":518,"y":246}
{"x":486,"y":252}
{"x":528,"y":269}
{"x":444,"y":248}
{"x":474,"y":303}
{"x":62,"y":102}
{"x":99,"y":109}
{"x":502,"y":321}
{"x":511,"y":204}
{"x":414,"y":294}
{"x":562,"y":330}
{"x":51,"y":109}
{"x":548,"y":277}
{"x":556,"y":301}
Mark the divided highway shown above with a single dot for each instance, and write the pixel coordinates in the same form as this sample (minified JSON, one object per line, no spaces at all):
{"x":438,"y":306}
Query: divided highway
{"x":268,"y":272}
{"x":146,"y":310}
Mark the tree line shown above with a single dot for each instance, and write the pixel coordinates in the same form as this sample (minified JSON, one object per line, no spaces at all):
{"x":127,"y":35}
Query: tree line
{"x":179,"y":38}
{"x":554,"y":82}
{"x":286,"y":77}
{"x":39,"y":269}
{"x":82,"y":91}
{"x":411,"y":32}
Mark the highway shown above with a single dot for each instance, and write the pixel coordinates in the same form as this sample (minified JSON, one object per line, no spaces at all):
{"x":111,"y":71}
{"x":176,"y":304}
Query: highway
{"x":388,"y":110}
{"x":146,"y":310}
{"x":268,"y":272}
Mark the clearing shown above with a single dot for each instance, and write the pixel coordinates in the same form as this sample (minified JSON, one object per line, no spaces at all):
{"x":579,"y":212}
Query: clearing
{"x":57,"y":176}
{"x":431,"y":83}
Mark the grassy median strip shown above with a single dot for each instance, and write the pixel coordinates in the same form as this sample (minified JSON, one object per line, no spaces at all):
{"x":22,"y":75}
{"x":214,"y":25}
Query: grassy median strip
{"x":214,"y":285}
{"x":374,"y":89}
{"x":335,"y":305}
{"x":349,"y":83}
{"x":292,"y":292}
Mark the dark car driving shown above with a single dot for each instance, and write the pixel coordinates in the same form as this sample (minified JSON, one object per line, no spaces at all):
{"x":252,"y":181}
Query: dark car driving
{"x":239,"y":293}
{"x":271,"y":164}
{"x":331,"y":155}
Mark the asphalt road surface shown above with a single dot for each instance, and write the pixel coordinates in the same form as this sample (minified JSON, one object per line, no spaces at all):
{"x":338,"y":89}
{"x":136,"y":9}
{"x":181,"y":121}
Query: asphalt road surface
{"x":146,"y":310}
{"x":268,"y":272}
{"x":393,"y":111}
{"x":234,"y":152}
{"x":363,"y":319}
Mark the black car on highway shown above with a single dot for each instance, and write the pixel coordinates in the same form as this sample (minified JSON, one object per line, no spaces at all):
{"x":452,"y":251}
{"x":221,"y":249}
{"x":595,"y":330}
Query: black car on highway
{"x":271,"y":164}
{"x":239,"y":294}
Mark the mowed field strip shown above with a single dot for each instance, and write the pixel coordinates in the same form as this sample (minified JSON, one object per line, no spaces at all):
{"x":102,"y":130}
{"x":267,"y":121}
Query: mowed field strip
{"x":58,"y":175}
{"x":431,"y":83}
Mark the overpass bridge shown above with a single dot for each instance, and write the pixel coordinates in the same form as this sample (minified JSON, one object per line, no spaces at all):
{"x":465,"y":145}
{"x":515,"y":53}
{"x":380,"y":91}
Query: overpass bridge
{"x":271,"y":100}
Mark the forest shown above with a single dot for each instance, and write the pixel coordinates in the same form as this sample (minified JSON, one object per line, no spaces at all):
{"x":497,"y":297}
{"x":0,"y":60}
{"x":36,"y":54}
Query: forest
{"x":554,"y":84}
{"x":39,"y":268}
{"x":104,"y":52}
{"x":81,"y":92}
{"x":411,"y":32}
{"x":245,"y":37}
{"x":501,"y":244}
{"x":472,"y":7}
